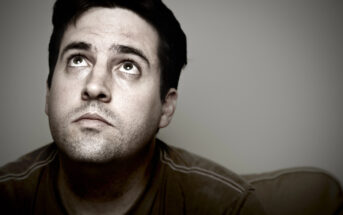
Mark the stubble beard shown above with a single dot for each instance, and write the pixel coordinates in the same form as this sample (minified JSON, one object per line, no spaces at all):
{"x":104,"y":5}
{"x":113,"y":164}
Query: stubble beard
{"x":122,"y":140}
{"x":90,"y":146}
{"x":94,"y":146}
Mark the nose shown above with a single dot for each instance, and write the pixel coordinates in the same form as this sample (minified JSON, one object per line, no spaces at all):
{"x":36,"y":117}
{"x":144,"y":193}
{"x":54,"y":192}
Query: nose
{"x":97,"y":86}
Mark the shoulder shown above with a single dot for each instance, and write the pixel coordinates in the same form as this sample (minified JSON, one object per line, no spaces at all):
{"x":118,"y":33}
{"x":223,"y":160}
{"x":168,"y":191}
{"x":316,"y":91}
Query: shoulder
{"x":188,"y":164}
{"x":206,"y":183}
{"x":19,"y":180}
{"x":26,"y":165}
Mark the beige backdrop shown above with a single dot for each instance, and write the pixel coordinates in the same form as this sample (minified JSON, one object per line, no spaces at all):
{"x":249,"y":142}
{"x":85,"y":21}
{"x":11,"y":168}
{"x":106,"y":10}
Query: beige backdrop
{"x":262,"y":91}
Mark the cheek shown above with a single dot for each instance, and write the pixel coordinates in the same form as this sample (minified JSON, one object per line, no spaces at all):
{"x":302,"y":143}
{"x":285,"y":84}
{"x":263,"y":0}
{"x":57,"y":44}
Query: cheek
{"x":143,"y":105}
{"x":61,"y":98}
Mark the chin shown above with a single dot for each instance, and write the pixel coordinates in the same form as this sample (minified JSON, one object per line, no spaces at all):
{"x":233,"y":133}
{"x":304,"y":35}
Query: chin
{"x":91,"y":149}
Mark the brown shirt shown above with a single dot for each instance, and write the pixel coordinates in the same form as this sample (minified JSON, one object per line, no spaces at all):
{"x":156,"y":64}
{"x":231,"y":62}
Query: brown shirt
{"x":181,"y":183}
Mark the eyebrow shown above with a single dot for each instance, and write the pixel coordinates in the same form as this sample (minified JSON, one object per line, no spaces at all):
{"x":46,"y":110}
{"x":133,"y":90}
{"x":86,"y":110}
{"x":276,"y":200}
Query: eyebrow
{"x":76,"y":45}
{"x":123,"y":49}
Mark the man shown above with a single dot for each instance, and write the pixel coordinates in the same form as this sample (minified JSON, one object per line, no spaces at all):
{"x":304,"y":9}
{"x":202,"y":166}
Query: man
{"x":114,"y":70}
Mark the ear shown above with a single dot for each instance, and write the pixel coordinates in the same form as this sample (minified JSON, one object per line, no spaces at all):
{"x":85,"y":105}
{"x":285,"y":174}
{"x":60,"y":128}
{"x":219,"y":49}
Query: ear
{"x":168,"y":107}
{"x":47,"y":94}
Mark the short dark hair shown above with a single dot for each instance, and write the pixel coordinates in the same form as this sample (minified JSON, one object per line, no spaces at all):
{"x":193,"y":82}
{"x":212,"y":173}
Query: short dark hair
{"x":172,"y":45}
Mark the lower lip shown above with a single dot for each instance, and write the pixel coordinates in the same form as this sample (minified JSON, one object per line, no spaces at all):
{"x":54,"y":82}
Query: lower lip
{"x":91,"y":123}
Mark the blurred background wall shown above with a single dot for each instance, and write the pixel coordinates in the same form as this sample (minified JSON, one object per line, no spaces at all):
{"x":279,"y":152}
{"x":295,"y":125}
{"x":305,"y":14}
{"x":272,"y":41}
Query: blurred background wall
{"x":263,"y":89}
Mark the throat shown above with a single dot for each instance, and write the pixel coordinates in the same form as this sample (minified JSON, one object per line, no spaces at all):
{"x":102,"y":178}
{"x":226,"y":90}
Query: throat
{"x":86,"y":188}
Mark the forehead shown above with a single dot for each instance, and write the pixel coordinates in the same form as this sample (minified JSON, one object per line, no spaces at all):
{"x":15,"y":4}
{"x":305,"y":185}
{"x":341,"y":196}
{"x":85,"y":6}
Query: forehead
{"x":103,"y":27}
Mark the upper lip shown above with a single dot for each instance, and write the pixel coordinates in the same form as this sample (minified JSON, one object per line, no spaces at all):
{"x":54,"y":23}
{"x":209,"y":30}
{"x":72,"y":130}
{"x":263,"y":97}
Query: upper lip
{"x":93,"y":116}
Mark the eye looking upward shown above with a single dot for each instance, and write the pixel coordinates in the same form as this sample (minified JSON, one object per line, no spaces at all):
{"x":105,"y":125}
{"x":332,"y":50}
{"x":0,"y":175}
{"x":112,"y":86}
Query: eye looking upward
{"x":129,"y":68}
{"x":77,"y":61}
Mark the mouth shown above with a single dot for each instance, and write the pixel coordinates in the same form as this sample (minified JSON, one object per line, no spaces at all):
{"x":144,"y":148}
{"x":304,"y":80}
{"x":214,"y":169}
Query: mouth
{"x":92,"y":117}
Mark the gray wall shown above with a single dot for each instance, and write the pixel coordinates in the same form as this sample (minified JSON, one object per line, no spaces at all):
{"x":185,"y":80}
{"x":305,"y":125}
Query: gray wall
{"x":262,"y":91}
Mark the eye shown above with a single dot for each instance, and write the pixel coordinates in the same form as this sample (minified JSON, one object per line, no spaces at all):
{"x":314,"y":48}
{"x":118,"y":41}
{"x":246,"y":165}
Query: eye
{"x":77,"y":61}
{"x":129,"y":68}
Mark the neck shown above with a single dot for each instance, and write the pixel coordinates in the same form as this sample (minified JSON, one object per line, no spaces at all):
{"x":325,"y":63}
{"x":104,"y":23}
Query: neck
{"x":97,"y":188}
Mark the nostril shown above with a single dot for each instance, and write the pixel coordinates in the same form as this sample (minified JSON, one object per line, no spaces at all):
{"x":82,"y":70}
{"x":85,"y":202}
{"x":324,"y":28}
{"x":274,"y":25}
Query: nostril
{"x":96,"y":96}
{"x":85,"y":95}
{"x":102,"y":96}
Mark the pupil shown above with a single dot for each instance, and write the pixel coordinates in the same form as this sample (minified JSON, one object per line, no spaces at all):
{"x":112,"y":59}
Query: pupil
{"x":128,"y":66}
{"x":77,"y":60}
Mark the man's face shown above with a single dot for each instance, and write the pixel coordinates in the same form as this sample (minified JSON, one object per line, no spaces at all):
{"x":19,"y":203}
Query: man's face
{"x":104,"y":101}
